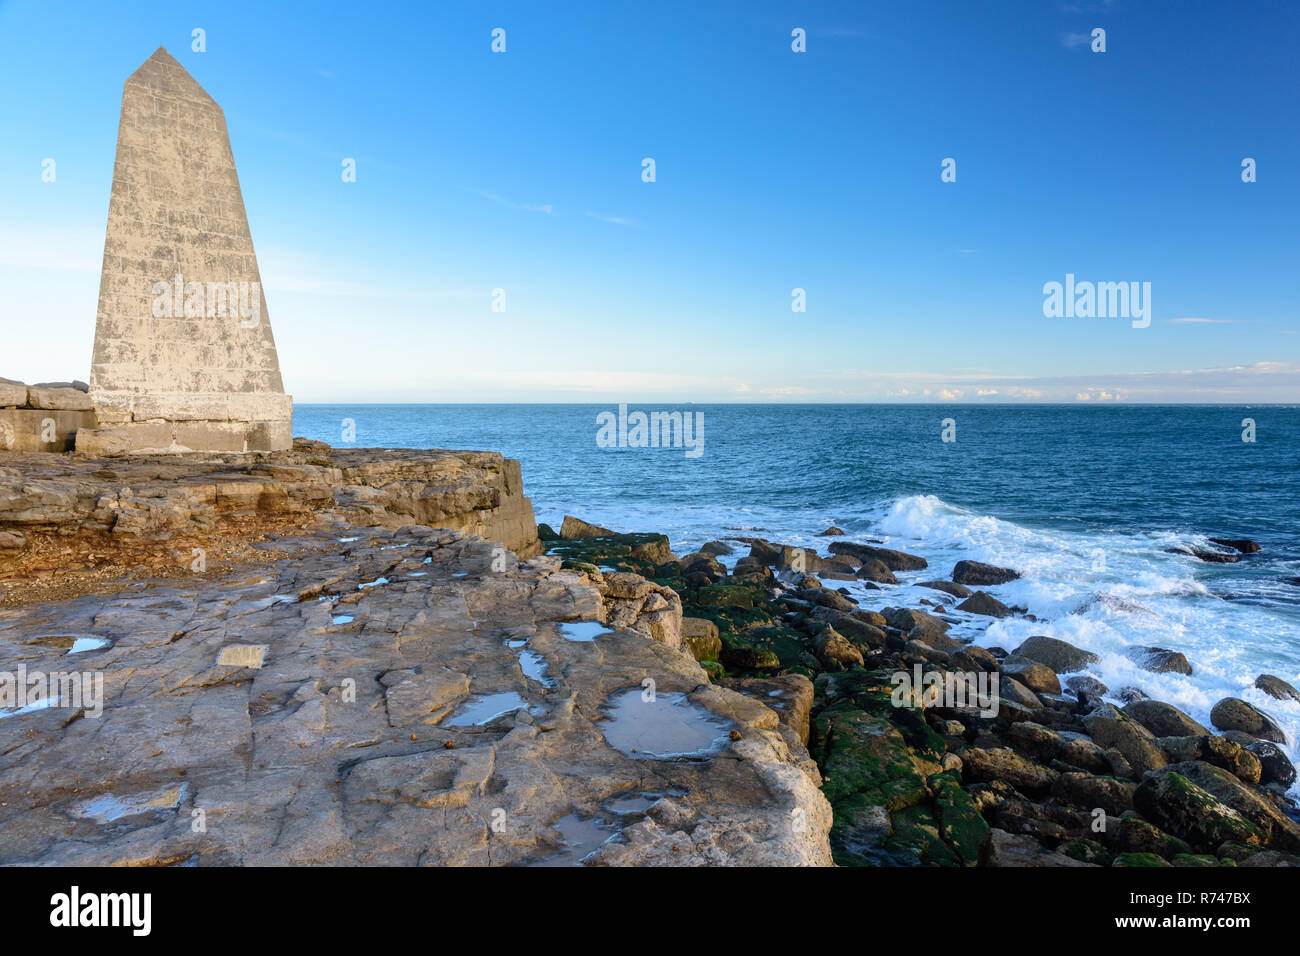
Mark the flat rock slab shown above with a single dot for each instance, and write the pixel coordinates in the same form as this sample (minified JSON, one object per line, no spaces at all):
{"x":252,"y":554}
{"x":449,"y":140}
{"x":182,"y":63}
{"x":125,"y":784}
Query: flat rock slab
{"x":351,"y":744}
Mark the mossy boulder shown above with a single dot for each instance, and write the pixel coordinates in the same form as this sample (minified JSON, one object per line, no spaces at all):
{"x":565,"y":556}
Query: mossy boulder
{"x":1178,"y":806}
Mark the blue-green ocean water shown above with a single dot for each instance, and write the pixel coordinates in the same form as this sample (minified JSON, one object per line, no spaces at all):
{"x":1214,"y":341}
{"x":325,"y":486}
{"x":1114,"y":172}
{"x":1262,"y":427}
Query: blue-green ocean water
{"x":1084,"y":501}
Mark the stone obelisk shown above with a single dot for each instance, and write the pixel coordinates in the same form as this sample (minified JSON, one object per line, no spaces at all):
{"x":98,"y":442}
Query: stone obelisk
{"x":184,"y":359}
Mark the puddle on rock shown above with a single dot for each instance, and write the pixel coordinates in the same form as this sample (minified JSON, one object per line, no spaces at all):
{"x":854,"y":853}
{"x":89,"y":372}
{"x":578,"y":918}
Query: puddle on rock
{"x":483,"y":709}
{"x":534,"y":666}
{"x":581,"y":839}
{"x":107,"y":808}
{"x":585,"y":631}
{"x":82,"y":644}
{"x":669,"y":728}
{"x":343,"y":619}
{"x":632,"y":804}
{"x":373,"y":584}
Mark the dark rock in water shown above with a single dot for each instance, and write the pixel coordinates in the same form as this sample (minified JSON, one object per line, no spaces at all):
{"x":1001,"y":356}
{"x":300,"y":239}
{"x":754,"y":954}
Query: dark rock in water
{"x":1275,"y":766}
{"x":1295,"y":581}
{"x":979,"y":574}
{"x":1163,"y":720}
{"x":1205,"y":554}
{"x":716,"y":547}
{"x":831,"y":532}
{"x":1158,"y":660}
{"x":1244,"y":545}
{"x":1276,"y":687}
{"x":1037,"y":676}
{"x":1232,"y":713}
{"x":981,"y":602}
{"x":1129,"y":694}
{"x":546,"y":533}
{"x":1060,"y":656}
{"x":573,"y":528}
{"x":948,"y":587}
{"x":1086,"y":684}
{"x":1179,"y":806}
{"x":894,"y":560}
{"x":876,"y":570}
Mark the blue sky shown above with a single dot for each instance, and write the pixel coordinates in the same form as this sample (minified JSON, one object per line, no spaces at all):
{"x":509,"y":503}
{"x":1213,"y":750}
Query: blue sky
{"x":775,"y":170}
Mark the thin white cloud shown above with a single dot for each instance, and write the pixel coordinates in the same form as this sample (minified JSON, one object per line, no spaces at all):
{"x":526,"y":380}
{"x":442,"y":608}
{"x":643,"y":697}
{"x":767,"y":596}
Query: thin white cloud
{"x":1199,"y":321}
{"x":617,"y":220}
{"x":530,"y":207}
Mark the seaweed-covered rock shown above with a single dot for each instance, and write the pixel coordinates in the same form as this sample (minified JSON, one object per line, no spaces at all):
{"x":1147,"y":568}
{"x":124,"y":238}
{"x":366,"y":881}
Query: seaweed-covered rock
{"x":1178,"y":806}
{"x":1163,"y":720}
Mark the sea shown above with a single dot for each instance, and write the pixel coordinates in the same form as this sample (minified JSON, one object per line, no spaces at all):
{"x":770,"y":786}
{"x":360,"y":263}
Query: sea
{"x":1088,"y":503}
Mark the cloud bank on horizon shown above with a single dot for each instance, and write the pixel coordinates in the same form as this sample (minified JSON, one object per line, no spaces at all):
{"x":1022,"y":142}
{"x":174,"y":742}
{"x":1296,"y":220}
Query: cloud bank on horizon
{"x":703,"y":205}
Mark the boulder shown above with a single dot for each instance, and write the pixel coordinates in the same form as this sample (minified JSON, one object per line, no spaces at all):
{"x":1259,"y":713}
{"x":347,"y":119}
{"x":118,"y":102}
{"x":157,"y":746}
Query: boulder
{"x":979,"y":574}
{"x":1004,"y":764}
{"x":700,"y":638}
{"x":1275,"y":766}
{"x":1218,"y":751}
{"x":1232,"y":713}
{"x":1037,"y":676}
{"x":894,"y":560}
{"x":1009,"y":849}
{"x":1163,"y":720}
{"x":981,"y":602}
{"x":1060,"y":656}
{"x":1158,"y":660}
{"x":1279,"y":830}
{"x":1087,"y":685}
{"x":577,"y":528}
{"x":1088,"y":792}
{"x":833,"y":647}
{"x":716,"y":547}
{"x":1276,"y":687}
{"x":1189,"y":812}
{"x":876,"y":570}
{"x":832,"y":531}
{"x":1108,"y":727}
{"x":1244,"y":545}
{"x":948,"y":587}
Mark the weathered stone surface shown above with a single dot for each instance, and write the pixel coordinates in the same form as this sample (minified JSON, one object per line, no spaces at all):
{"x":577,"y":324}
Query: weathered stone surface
{"x":893,"y":560}
{"x":1159,"y":660}
{"x":978,"y":574}
{"x":981,"y":602}
{"x":392,"y":721}
{"x":40,"y":429}
{"x":71,"y":498}
{"x":1232,"y":713}
{"x":1276,"y":687}
{"x":1111,"y":728}
{"x":182,"y":335}
{"x":1163,"y":720}
{"x":1037,"y":676}
{"x":1060,"y":656}
{"x":573,"y":528}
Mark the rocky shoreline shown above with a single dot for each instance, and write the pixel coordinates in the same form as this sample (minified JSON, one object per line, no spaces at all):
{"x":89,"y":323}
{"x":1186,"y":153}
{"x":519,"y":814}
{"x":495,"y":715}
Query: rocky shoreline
{"x":383,"y":660}
{"x":1054,"y":774}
